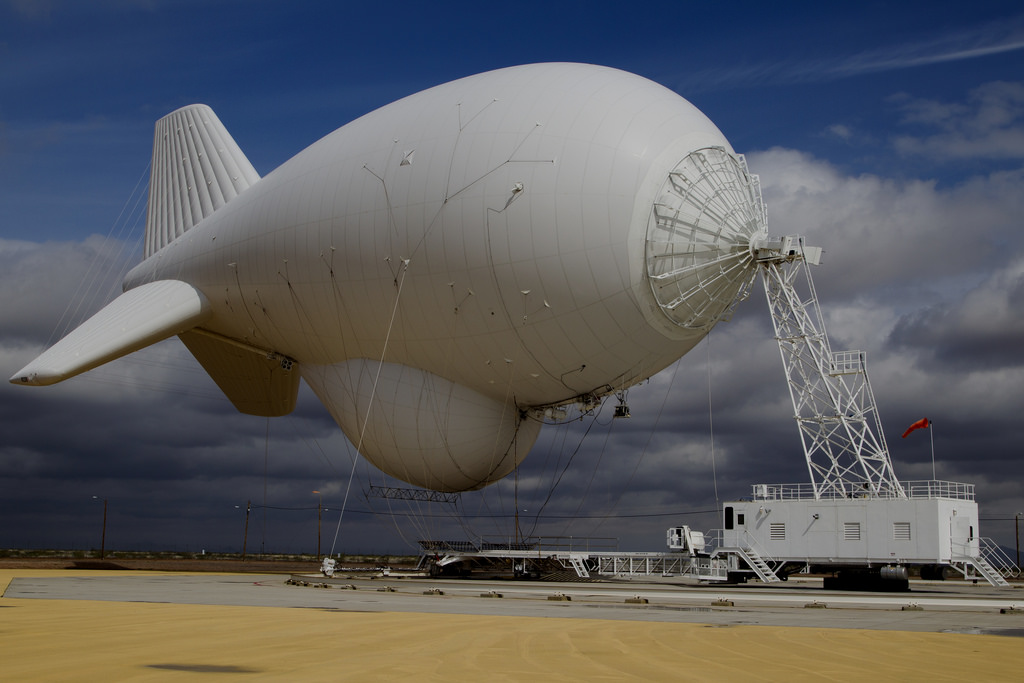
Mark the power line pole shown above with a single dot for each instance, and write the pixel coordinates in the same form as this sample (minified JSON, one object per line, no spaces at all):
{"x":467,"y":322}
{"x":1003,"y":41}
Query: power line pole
{"x":319,"y":510}
{"x":245,"y":538}
{"x":103,"y":540}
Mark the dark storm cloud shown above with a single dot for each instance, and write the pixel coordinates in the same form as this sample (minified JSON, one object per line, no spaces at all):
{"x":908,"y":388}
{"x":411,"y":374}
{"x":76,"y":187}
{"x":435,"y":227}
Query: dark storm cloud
{"x":43,"y":286}
{"x":982,"y":331}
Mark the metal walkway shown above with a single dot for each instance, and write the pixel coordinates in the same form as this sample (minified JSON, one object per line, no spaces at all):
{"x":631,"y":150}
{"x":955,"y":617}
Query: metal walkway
{"x":585,"y":564}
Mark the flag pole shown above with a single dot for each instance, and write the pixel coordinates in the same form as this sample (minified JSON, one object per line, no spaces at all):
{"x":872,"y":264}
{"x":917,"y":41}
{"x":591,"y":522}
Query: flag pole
{"x":931,"y":435}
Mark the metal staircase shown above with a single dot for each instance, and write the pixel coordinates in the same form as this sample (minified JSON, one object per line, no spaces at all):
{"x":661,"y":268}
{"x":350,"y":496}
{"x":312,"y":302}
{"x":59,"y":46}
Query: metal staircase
{"x":996,"y":557}
{"x":579,"y":563}
{"x":991,"y":563}
{"x":753,"y":559}
{"x":982,"y":567}
{"x":760,"y":567}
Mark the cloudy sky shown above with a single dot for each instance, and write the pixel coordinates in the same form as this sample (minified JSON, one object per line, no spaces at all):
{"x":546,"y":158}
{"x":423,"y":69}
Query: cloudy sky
{"x":891,"y":134}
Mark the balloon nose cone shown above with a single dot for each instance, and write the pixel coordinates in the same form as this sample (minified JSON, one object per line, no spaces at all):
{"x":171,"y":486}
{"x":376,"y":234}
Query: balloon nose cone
{"x":699,"y":263}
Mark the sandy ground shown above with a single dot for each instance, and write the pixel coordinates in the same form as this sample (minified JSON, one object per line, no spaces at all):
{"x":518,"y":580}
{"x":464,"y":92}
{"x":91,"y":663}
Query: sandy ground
{"x":83,"y":640}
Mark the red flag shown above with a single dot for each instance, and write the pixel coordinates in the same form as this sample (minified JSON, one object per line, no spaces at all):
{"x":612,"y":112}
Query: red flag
{"x":923,"y":423}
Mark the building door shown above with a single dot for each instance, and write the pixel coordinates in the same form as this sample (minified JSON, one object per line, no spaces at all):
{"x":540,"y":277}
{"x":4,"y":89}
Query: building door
{"x":962,"y":537}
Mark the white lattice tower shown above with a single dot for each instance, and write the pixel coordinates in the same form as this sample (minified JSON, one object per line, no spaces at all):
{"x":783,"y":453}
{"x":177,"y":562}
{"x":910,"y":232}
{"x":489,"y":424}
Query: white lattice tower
{"x":832,"y":400}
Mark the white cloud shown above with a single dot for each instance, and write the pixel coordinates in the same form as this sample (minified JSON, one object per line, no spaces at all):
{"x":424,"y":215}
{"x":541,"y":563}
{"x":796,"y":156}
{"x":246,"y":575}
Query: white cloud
{"x":841,"y":131}
{"x":879,"y":233}
{"x":990,"y":125}
{"x":44,"y":288}
{"x":963,"y":44}
{"x":938,"y":268}
{"x":982,"y":41}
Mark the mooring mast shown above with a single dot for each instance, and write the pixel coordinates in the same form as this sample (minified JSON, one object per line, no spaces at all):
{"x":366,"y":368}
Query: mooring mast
{"x":833,"y":404}
{"x":854,"y":517}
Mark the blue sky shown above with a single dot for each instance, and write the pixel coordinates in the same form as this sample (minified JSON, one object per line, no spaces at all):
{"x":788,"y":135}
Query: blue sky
{"x":90,"y":79}
{"x":890,"y":133}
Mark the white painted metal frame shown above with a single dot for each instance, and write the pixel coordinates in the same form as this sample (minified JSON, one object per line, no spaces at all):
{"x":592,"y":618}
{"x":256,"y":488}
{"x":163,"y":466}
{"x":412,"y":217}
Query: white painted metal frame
{"x":699,"y":263}
{"x":833,"y":404}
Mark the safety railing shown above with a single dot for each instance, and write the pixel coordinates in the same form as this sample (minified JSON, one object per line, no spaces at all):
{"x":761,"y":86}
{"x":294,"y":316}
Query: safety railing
{"x":950,"y":490}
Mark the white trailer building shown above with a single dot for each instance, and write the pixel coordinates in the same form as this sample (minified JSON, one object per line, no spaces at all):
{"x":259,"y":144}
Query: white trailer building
{"x":935,"y":525}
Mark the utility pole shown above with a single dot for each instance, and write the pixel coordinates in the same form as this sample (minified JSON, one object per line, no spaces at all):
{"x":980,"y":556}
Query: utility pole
{"x":103,"y":540}
{"x":245,"y":538}
{"x":319,"y":511}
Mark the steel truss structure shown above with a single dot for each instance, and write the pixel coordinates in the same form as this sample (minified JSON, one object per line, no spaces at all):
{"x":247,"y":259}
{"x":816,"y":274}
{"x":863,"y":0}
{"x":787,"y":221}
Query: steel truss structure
{"x":832,"y":400}
{"x":424,"y":495}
